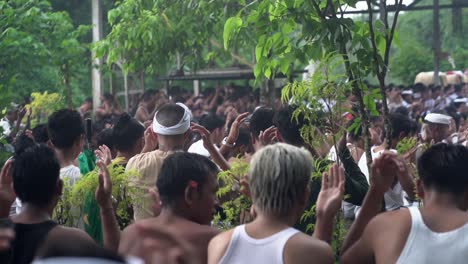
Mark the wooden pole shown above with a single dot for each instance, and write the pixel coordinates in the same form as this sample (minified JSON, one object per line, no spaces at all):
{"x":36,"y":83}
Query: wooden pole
{"x":436,"y":42}
{"x":96,"y":72}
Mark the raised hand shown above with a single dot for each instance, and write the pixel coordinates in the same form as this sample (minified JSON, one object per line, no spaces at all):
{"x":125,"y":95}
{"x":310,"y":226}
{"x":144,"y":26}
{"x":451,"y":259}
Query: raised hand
{"x":269,"y":136}
{"x":104,"y":154}
{"x":331,"y":193}
{"x":7,"y":194}
{"x":384,"y":172}
{"x":234,"y":132}
{"x":104,"y":189}
{"x":151,"y":139}
{"x":204,"y":133}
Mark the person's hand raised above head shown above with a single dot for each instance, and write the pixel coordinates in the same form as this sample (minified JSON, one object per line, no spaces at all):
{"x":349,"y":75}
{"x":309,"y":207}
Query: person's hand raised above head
{"x":104,"y":189}
{"x":269,"y":136}
{"x":384,"y":171}
{"x":234,"y":131}
{"x":204,"y":133}
{"x":331,"y":193}
{"x":7,"y":194}
{"x":104,"y":154}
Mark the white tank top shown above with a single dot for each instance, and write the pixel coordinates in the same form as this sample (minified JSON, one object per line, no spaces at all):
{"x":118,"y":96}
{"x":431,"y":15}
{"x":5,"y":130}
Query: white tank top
{"x":426,"y":246}
{"x":245,"y":249}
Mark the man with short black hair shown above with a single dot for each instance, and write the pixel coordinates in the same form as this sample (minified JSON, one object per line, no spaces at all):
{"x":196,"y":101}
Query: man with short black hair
{"x":434,"y":233}
{"x":66,"y":133}
{"x":128,"y":137}
{"x":35,"y":175}
{"x":171,"y":128}
{"x":187,"y":185}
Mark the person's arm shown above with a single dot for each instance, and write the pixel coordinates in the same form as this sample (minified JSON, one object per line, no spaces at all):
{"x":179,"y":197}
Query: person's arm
{"x":356,"y":185}
{"x":233,"y":134}
{"x":214,"y":153}
{"x":151,"y":140}
{"x":7,"y":194}
{"x":383,"y":170}
{"x":329,"y":202}
{"x":110,"y":228}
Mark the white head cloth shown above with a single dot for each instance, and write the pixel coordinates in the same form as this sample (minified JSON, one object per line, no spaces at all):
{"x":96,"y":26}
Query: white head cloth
{"x":438,"y":118}
{"x":177,"y":129}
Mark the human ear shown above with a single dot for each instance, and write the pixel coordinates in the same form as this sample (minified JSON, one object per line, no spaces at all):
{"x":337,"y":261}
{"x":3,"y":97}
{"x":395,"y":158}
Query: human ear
{"x":420,"y":189}
{"x":59,"y":187}
{"x":190,"y":192}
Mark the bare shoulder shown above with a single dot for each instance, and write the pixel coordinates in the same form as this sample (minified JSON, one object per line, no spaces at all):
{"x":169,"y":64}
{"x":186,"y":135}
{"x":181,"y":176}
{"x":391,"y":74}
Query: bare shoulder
{"x":218,"y":246}
{"x":301,"y":248}
{"x":70,"y":233}
{"x":386,"y":222}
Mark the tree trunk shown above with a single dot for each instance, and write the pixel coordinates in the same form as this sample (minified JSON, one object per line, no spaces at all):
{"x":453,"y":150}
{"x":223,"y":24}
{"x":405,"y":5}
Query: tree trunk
{"x":97,"y":34}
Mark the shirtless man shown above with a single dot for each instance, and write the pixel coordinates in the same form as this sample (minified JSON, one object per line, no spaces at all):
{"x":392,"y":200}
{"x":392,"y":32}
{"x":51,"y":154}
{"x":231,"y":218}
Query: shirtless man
{"x":35,"y":176}
{"x":435,"y":233}
{"x":279,"y":179}
{"x":187,"y":187}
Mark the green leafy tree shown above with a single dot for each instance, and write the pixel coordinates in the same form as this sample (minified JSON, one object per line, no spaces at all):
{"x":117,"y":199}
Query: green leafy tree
{"x":39,"y":48}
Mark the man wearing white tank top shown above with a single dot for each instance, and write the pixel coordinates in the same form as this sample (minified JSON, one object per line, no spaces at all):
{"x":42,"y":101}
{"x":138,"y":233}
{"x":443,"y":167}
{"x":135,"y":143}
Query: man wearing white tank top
{"x":278,"y":183}
{"x":434,"y":233}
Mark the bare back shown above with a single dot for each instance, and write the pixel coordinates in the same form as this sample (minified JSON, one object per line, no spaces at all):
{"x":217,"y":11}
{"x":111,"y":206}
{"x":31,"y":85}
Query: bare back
{"x":385,"y":237}
{"x":196,"y":235}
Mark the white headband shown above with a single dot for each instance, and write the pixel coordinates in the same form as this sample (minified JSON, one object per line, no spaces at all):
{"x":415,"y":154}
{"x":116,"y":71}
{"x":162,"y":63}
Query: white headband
{"x":178,"y":129}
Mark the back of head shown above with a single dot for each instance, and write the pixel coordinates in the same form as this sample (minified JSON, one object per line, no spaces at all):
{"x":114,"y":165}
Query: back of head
{"x":127,"y":132}
{"x":106,"y":137}
{"x":261,"y":119}
{"x":65,"y":127}
{"x":212,"y":122}
{"x":401,"y":125}
{"x":289,"y":128}
{"x":443,"y":168}
{"x":178,"y":170}
{"x":279,"y":176}
{"x":22,"y":143}
{"x":35,"y":174}
{"x":170,"y":115}
{"x":40,"y":133}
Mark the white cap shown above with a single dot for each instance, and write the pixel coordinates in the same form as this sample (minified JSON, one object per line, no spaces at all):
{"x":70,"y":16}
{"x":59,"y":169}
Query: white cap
{"x":461,"y":100}
{"x":409,"y":92}
{"x":438,"y":119}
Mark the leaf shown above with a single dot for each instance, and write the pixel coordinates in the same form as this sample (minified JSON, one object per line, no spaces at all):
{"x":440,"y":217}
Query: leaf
{"x":231,"y":28}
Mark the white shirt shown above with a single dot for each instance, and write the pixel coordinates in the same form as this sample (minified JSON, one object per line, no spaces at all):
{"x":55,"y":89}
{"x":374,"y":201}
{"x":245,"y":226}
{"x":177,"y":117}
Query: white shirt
{"x":71,"y":173}
{"x":198,"y":148}
{"x":426,"y":246}
{"x":246,"y":249}
{"x":394,"y":198}
{"x":6,"y":126}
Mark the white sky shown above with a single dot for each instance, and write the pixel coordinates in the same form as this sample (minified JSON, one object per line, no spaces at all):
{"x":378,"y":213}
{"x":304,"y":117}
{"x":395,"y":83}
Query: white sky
{"x":363,"y":6}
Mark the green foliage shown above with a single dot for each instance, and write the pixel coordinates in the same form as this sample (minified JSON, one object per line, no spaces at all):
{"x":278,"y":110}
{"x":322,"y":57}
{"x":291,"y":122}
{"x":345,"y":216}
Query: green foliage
{"x":416,"y":54}
{"x":70,"y":208}
{"x":232,"y":201}
{"x":153,"y":36}
{"x":39,"y":48}
{"x":406,"y":144}
{"x":44,"y":104}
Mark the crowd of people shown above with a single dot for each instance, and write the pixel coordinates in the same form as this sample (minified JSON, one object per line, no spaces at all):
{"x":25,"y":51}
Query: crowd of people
{"x":174,"y":144}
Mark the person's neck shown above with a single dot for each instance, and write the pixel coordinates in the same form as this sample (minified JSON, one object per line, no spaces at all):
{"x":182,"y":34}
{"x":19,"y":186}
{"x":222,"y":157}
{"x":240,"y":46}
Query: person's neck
{"x":127,"y":155}
{"x":31,"y":213}
{"x":168,"y":215}
{"x":65,"y":157}
{"x":167,"y":146}
{"x":436,"y":200}
{"x":274,"y":222}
